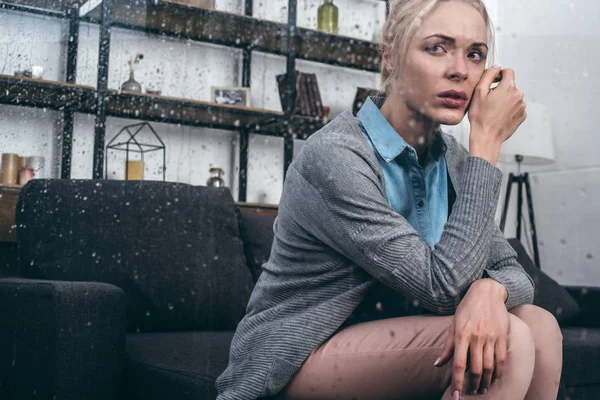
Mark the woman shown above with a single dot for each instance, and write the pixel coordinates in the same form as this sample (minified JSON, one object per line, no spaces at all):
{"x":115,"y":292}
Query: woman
{"x":384,"y":209}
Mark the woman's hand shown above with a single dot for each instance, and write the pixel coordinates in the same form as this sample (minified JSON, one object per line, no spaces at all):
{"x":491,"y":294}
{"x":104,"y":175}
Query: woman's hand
{"x":494,"y":114}
{"x":478,"y":336}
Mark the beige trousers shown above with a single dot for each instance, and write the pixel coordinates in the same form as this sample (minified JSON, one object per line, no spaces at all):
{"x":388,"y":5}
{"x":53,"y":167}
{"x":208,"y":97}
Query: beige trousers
{"x":393,"y":359}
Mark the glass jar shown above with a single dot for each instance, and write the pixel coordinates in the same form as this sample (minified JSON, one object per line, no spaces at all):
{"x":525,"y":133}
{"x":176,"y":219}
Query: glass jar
{"x":327,"y":20}
{"x":216,"y":178}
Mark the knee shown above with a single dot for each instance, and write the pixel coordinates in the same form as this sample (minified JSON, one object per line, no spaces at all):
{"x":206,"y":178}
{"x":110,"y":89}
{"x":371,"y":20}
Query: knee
{"x":542,"y":324}
{"x":520,"y":341}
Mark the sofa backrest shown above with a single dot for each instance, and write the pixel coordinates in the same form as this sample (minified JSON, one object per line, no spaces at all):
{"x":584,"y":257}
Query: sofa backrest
{"x":174,"y":249}
{"x":257,"y":233}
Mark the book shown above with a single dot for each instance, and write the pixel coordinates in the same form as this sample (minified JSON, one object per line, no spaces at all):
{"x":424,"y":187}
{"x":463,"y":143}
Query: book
{"x":302,"y":95}
{"x":316,"y":100}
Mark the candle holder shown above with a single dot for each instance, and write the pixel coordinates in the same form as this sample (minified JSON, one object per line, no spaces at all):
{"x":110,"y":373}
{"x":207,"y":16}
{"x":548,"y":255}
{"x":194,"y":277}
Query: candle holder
{"x":127,"y":140}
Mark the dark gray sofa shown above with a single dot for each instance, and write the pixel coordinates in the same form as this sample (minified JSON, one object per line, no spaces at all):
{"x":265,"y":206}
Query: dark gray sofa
{"x":132,"y":290}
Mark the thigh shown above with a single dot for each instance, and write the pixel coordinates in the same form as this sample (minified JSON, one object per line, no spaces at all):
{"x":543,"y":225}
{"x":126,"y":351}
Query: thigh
{"x":386,"y":359}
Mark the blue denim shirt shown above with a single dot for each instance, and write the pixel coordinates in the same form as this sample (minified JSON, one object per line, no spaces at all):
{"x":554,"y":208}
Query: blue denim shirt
{"x":419,"y":195}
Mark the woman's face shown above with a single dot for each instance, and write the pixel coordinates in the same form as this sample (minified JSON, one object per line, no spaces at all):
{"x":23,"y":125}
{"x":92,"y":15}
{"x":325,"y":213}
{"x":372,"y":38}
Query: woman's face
{"x":444,"y":62}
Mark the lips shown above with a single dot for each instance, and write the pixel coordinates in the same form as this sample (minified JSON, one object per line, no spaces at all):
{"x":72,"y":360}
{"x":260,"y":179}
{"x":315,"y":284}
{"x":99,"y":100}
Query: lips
{"x":453,"y":98}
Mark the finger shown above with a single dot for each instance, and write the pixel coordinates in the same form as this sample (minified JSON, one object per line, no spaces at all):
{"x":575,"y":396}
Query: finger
{"x":476,"y":365}
{"x":508,"y":78}
{"x":498,"y":77}
{"x":500,"y":358}
{"x":488,"y":78}
{"x":460,"y":363}
{"x":447,"y":352}
{"x":488,"y":368}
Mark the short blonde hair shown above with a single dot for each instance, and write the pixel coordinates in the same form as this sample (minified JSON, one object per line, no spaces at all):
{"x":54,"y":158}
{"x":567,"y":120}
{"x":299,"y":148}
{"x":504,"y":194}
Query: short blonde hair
{"x":404,"y":19}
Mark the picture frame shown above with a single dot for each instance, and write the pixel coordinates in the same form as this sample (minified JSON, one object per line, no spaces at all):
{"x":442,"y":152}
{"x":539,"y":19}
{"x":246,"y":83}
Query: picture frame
{"x":228,"y":95}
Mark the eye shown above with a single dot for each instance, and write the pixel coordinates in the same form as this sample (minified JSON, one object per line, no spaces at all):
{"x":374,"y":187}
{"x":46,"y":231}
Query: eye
{"x":476,"y":55}
{"x":434,"y":48}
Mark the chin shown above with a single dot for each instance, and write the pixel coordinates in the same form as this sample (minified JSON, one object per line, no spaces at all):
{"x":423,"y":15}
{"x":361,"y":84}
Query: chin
{"x":449,"y":116}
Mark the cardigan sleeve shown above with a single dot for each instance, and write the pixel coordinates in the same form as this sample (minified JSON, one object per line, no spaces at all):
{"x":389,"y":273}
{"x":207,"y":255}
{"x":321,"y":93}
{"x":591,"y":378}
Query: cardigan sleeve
{"x":502,"y":266}
{"x":335,"y":193}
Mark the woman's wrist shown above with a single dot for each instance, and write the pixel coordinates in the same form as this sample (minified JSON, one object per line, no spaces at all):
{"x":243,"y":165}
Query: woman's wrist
{"x":487,"y":150}
{"x":492,"y":287}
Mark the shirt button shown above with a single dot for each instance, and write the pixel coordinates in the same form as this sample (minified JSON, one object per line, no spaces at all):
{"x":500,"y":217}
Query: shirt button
{"x":421,"y":203}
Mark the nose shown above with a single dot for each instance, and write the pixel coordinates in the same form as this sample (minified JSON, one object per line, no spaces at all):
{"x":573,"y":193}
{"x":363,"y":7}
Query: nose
{"x":458,"y":69}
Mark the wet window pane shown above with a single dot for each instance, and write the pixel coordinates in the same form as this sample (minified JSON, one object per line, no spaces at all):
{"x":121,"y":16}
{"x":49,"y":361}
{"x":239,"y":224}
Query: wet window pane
{"x":101,"y":101}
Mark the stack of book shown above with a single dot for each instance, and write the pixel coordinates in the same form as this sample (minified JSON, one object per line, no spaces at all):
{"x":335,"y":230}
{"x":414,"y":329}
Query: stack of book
{"x":308,"y":96}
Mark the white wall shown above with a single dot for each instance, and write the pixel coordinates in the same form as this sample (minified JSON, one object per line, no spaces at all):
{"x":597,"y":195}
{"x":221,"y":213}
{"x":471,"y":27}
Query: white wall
{"x":554,"y":48}
{"x":179,"y":68}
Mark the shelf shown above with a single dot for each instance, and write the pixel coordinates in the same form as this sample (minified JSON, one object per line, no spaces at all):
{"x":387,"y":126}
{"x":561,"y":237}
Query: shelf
{"x":64,"y":96}
{"x":52,"y":8}
{"x":205,"y":114}
{"x":46,"y":94}
{"x":235,"y":30}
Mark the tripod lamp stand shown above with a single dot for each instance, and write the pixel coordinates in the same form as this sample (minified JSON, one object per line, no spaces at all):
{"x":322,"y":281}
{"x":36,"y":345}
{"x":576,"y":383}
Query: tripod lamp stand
{"x":531,"y":144}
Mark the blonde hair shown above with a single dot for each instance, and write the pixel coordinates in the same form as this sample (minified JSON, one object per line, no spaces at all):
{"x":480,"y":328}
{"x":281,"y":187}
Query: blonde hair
{"x":404,"y":19}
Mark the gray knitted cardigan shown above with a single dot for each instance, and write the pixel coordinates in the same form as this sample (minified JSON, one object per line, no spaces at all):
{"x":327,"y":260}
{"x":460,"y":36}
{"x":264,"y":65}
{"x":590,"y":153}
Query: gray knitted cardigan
{"x":336,"y":236}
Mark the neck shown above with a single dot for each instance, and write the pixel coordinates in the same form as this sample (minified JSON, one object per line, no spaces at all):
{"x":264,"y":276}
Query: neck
{"x":416,"y":129}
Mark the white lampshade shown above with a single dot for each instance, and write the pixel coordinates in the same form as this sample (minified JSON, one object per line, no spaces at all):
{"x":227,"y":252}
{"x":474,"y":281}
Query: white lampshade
{"x":532,"y":140}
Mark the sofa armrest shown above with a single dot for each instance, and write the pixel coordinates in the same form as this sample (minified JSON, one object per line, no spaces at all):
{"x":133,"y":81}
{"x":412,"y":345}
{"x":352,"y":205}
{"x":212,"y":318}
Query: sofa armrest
{"x":588,"y":299}
{"x":62,"y":340}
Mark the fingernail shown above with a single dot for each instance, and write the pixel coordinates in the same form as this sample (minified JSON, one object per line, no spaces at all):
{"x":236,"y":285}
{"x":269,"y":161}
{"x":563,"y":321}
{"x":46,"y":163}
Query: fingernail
{"x":494,"y":381}
{"x":484,"y":391}
{"x":436,"y":362}
{"x":496,"y":66}
{"x":456,"y":395}
{"x":473,"y":392}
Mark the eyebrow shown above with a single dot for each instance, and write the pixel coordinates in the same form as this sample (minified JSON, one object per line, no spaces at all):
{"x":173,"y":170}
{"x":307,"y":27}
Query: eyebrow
{"x":453,"y":41}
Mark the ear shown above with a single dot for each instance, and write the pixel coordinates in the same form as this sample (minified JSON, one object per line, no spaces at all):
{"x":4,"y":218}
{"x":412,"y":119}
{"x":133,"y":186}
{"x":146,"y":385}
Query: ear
{"x":386,"y":55}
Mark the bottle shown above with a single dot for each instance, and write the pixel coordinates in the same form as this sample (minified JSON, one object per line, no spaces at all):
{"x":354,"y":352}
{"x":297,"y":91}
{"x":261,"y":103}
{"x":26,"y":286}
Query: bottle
{"x":216,"y":178}
{"x":327,"y":20}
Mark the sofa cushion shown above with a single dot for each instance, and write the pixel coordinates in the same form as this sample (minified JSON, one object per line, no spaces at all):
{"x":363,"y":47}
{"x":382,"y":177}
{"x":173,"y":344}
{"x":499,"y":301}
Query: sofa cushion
{"x":549,"y":295}
{"x":174,"y":249}
{"x":588,"y":392}
{"x":581,"y":356}
{"x":257,"y":233}
{"x":176,"y":365}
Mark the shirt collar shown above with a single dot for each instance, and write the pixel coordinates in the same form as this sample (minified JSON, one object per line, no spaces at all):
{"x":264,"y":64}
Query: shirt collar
{"x":384,"y":137}
{"x":386,"y":140}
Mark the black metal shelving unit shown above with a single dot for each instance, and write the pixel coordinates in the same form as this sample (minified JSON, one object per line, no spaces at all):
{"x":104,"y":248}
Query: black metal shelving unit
{"x":168,"y":18}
